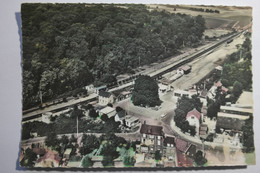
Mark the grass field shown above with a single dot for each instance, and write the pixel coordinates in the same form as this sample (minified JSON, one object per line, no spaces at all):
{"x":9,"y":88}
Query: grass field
{"x":250,"y":158}
{"x":228,"y":18}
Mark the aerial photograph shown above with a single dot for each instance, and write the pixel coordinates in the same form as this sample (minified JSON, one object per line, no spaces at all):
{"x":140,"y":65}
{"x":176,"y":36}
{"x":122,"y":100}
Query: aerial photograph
{"x":136,"y":85}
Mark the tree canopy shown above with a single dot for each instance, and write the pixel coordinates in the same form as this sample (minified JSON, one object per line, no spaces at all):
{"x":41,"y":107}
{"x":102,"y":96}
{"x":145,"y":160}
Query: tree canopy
{"x":237,"y":71}
{"x":184,"y":105}
{"x":145,"y":92}
{"x":67,"y":46}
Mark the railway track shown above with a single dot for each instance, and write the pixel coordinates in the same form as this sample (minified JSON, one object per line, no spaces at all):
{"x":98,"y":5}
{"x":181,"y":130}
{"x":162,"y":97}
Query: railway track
{"x":157,"y":74}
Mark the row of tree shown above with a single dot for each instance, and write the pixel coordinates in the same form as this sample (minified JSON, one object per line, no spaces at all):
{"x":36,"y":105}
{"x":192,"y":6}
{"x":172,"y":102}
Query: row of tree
{"x":107,"y":144}
{"x":204,"y":10}
{"x":67,"y":46}
{"x":237,"y":71}
{"x":64,"y":124}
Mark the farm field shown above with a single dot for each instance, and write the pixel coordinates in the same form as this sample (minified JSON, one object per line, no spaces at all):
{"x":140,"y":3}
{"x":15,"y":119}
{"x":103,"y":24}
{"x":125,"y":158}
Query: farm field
{"x":228,"y":18}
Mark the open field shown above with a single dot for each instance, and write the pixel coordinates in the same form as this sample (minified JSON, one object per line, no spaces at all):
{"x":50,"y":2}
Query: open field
{"x":228,"y":18}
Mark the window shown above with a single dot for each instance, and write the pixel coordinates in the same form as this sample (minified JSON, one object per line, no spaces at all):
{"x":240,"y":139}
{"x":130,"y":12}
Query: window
{"x":158,"y":142}
{"x":168,"y":145}
{"x":158,"y":137}
{"x":171,"y":145}
{"x":151,"y":136}
{"x":144,"y":135}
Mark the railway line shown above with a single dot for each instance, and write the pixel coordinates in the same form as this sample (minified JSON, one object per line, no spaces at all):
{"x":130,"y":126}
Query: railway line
{"x":128,"y":82}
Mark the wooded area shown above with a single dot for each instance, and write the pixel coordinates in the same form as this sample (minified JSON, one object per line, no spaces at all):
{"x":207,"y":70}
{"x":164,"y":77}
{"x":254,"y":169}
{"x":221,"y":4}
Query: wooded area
{"x":67,"y":46}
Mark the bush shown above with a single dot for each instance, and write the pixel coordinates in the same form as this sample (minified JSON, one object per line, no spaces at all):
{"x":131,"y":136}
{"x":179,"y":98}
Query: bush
{"x":157,"y":155}
{"x":129,"y":161}
{"x":86,"y":162}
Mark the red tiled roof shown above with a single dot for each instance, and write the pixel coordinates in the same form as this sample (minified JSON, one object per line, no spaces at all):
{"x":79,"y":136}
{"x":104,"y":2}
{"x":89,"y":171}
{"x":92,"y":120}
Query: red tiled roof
{"x":224,"y":89}
{"x":39,"y":151}
{"x":185,"y":68}
{"x":54,"y":156}
{"x":153,"y":130}
{"x":181,"y":144}
{"x":183,"y":160}
{"x":194,"y":112}
{"x":218,"y":84}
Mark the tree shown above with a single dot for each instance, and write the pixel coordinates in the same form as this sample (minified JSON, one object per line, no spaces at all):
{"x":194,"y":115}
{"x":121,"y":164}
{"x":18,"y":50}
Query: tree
{"x":28,"y":159}
{"x":145,"y":92}
{"x":104,"y":117}
{"x":192,"y":130}
{"x":64,"y":140}
{"x":248,"y":136}
{"x":129,"y":161}
{"x":92,"y":113}
{"x":118,"y":109}
{"x":81,"y":45}
{"x":237,"y":88}
{"x":109,"y":152}
{"x":213,"y":110}
{"x":199,"y":158}
{"x":157,"y":155}
{"x":86,"y":162}
{"x":184,"y":105}
{"x":90,"y":143}
{"x":52,"y":141}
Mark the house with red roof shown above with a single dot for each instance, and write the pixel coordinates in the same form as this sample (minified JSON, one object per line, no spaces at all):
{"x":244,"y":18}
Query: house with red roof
{"x":50,"y":159}
{"x":194,"y":118}
{"x":185,"y":151}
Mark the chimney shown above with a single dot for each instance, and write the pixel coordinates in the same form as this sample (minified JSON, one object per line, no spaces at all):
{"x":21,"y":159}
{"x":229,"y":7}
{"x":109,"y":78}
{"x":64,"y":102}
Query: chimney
{"x":144,"y":122}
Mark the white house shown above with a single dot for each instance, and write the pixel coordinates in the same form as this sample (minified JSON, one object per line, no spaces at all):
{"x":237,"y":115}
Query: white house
{"x":46,"y":117}
{"x":90,"y":88}
{"x":105,"y":97}
{"x":120,"y":116}
{"x":131,"y":121}
{"x":109,"y":111}
{"x":194,"y":118}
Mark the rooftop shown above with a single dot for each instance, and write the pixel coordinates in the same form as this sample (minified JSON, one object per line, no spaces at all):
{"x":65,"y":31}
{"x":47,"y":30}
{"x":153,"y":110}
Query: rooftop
{"x":50,"y":155}
{"x":183,"y":160}
{"x":235,"y":116}
{"x":230,"y":123}
{"x":104,"y":94}
{"x":195,"y":113}
{"x":130,"y":118}
{"x":185,"y":68}
{"x":181,"y":145}
{"x":107,"y":110}
{"x":101,"y":87}
{"x":246,"y":99}
{"x":169,"y":140}
{"x":236,"y":108}
{"x":150,"y":129}
{"x":121,"y":113}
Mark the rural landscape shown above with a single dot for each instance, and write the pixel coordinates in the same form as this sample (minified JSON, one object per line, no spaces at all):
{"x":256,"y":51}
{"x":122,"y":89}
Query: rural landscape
{"x":136,"y":85}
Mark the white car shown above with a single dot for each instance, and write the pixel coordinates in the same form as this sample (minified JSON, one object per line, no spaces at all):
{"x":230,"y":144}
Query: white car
{"x":163,"y":115}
